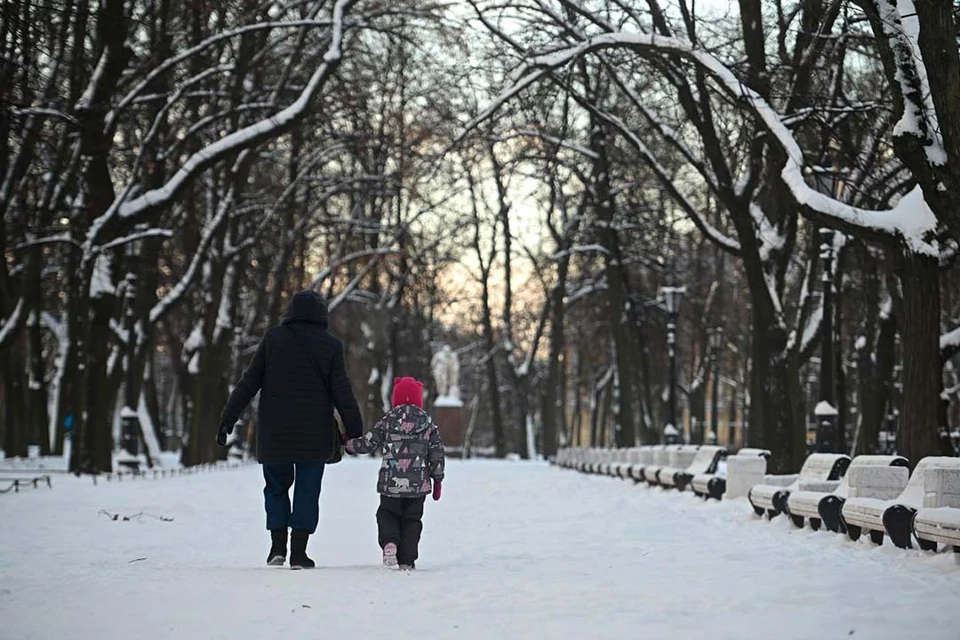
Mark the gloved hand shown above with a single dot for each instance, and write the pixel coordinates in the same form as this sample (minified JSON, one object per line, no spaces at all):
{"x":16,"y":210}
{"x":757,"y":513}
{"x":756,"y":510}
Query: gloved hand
{"x":437,"y":484}
{"x":348,"y":447}
{"x":222,"y":434}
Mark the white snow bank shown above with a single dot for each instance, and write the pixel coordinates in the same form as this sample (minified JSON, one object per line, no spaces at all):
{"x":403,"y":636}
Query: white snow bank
{"x":520,"y":548}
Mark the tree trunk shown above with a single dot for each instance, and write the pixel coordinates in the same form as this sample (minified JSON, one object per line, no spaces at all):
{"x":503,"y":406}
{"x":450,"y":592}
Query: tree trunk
{"x":98,"y":398}
{"x":15,"y":410}
{"x":920,"y":280}
{"x":493,"y":383}
{"x":698,"y":411}
{"x":774,"y":398}
{"x":617,"y":287}
{"x":553,"y":409}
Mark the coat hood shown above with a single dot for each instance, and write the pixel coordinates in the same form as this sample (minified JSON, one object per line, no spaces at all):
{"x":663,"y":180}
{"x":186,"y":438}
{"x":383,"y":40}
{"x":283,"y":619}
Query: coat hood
{"x":307,"y":306}
{"x":408,"y":418}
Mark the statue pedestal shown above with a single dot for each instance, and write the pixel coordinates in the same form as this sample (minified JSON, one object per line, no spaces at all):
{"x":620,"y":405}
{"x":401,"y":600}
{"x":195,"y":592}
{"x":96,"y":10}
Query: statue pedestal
{"x":448,"y":415}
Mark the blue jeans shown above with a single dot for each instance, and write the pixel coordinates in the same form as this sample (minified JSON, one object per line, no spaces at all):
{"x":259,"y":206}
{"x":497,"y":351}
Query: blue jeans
{"x":279,"y":477}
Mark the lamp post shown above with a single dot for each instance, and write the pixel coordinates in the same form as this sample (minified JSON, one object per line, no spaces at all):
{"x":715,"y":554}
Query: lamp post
{"x":828,"y":182}
{"x":826,"y":411}
{"x":671,"y":298}
{"x":129,"y":420}
{"x":716,"y":343}
{"x":894,"y":438}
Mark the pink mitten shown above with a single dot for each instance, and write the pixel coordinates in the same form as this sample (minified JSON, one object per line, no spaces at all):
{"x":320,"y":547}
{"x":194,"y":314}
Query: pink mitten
{"x":436,"y":489}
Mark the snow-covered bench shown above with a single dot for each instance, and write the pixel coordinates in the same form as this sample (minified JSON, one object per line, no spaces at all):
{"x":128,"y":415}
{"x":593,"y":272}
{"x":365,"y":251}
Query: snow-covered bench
{"x":644,"y":460}
{"x":742,"y":471}
{"x":607,"y":456}
{"x":939,"y":518}
{"x":573,"y":458}
{"x":583,"y":465}
{"x":15,"y":483}
{"x":882,"y":503}
{"x":770,"y":497}
{"x":661,"y":459}
{"x":871,"y":491}
{"x":822,"y":500}
{"x":621,"y":468}
{"x":594,"y":460}
{"x":621,"y":460}
{"x":705,"y":460}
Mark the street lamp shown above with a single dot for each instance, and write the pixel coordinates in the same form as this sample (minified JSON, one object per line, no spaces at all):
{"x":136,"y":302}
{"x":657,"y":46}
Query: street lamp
{"x":671,"y":299}
{"x":129,"y":420}
{"x":716,"y":343}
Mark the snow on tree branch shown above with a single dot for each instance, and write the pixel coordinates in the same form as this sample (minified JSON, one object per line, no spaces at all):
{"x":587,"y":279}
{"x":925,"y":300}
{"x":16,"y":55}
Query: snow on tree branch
{"x":950,"y":344}
{"x":12,"y":322}
{"x":133,"y":237}
{"x":911,"y":221}
{"x":244,"y":138}
{"x":901,"y":25}
{"x":347,"y":259}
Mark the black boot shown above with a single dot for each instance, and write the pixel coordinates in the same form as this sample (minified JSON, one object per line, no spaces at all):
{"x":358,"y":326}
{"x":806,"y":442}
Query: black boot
{"x":278,"y":548}
{"x":298,"y":550}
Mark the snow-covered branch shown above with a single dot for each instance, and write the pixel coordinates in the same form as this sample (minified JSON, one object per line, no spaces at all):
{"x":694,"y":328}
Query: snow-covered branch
{"x":12,"y":322}
{"x":351,"y":257}
{"x":133,"y":237}
{"x":239,"y":140}
{"x":911,"y":222}
{"x":173,"y":61}
{"x":950,"y":344}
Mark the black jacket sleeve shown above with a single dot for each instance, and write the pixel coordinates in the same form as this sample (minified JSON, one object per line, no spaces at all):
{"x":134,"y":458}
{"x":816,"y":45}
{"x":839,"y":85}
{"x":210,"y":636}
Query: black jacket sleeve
{"x":249,"y":384}
{"x":342,"y":393}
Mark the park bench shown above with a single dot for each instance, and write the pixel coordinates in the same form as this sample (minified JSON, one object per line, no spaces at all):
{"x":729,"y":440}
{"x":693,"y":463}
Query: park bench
{"x":661,"y":459}
{"x":770,"y":497}
{"x":586,"y":463}
{"x":705,"y":460}
{"x":618,"y":459}
{"x":577,"y":459}
{"x":604,"y":456}
{"x":743,"y":470}
{"x":884,"y":503}
{"x":621,"y":467}
{"x":821,"y":500}
{"x":644,"y":460}
{"x":590,"y":461}
{"x":601,"y":458}
{"x":564,"y":457}
{"x":939,"y":518}
{"x":15,"y":483}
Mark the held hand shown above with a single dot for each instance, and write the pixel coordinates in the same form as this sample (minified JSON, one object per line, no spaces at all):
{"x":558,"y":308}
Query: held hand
{"x":222,"y":434}
{"x":348,"y":446}
{"x":436,"y":489}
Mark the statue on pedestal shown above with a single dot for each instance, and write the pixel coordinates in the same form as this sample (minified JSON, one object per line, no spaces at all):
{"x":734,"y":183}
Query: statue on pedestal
{"x":445,"y":366}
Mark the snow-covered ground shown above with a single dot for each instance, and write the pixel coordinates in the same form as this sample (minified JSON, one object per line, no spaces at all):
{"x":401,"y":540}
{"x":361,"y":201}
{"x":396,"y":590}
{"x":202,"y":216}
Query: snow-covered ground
{"x":514,"y":550}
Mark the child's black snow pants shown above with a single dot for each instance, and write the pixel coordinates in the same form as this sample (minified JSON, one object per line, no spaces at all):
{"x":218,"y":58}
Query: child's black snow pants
{"x":399,"y":522}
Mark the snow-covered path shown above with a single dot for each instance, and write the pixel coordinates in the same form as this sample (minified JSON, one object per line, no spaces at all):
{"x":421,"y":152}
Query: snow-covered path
{"x":514,"y":550}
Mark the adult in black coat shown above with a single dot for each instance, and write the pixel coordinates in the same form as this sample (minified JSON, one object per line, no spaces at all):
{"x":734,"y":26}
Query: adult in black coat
{"x":300,"y":373}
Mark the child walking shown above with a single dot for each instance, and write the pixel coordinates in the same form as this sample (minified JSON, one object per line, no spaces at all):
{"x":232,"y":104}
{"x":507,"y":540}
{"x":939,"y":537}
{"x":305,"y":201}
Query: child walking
{"x":412,"y":469}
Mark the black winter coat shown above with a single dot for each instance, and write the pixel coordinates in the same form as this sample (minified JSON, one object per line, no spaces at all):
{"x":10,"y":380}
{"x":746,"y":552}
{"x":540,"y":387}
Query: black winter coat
{"x":296,"y":421}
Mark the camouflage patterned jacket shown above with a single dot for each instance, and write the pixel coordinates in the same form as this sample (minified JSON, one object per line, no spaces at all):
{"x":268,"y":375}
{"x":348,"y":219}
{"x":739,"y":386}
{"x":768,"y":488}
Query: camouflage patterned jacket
{"x":412,"y":451}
